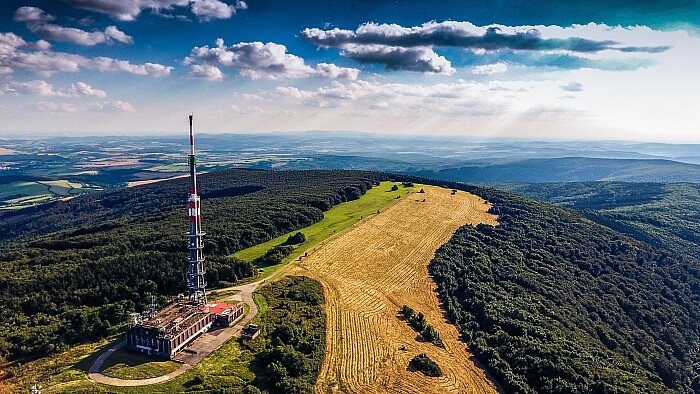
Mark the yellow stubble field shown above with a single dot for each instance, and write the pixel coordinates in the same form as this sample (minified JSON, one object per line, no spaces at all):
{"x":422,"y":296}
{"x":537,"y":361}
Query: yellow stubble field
{"x":369,"y":272}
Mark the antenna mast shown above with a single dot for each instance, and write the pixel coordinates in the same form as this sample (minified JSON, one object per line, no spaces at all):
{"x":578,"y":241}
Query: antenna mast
{"x":195,"y":243}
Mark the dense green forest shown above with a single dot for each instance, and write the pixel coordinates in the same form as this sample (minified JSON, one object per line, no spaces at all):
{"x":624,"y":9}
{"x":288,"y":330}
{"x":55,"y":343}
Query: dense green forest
{"x":665,"y":215}
{"x":294,"y":335}
{"x":551,"y":302}
{"x":72,"y":270}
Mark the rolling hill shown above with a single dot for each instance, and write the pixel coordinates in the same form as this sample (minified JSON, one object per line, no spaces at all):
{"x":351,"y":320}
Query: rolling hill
{"x":569,"y":169}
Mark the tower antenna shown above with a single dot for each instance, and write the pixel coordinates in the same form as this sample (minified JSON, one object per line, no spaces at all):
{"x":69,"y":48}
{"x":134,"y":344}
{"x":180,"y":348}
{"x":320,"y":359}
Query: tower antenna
{"x":195,"y":244}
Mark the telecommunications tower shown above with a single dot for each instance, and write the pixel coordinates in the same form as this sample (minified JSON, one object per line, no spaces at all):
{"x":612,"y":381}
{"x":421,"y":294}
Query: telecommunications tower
{"x":195,"y":243}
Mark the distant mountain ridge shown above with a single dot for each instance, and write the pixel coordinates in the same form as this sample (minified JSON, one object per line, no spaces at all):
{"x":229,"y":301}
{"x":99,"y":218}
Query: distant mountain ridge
{"x":571,"y":169}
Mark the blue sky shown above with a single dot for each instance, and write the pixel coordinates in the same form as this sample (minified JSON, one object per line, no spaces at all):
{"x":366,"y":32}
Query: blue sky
{"x":556,"y":70}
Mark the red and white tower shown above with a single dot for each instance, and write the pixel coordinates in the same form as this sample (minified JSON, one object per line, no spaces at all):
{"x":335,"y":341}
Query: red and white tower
{"x":195,"y":242}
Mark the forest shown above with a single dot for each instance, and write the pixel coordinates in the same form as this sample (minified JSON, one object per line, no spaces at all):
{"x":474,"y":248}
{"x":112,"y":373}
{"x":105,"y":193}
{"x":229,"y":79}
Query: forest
{"x":665,"y":215}
{"x":74,"y":270}
{"x":553,"y":303}
{"x":294,"y":329}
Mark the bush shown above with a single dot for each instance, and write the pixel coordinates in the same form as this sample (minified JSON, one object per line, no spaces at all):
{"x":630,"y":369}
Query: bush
{"x":274,"y":255}
{"x":296,"y":238}
{"x":424,"y":364}
{"x":394,"y":188}
{"x":421,"y":326}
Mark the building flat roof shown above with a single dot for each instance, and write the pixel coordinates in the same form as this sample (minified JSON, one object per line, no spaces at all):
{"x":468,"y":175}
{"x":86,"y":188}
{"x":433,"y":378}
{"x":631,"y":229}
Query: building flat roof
{"x":175,"y":318}
{"x":220,"y":308}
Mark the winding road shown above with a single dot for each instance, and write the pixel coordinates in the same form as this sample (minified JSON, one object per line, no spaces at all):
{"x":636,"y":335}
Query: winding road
{"x":197,"y":351}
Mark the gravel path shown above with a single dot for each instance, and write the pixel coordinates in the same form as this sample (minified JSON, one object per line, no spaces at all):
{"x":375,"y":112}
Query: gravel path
{"x":196,"y":352}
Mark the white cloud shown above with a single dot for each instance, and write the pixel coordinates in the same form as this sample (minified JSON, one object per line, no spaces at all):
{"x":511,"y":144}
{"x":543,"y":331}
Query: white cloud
{"x":17,"y":54}
{"x":575,"y":47}
{"x":256,"y":60}
{"x":37,"y":22}
{"x":111,"y":106}
{"x":253,"y":59}
{"x":489,"y":69}
{"x":129,"y":10}
{"x":48,"y":106}
{"x":463,"y":97}
{"x":467,"y":35}
{"x":43,"y":88}
{"x":106,"y":106}
{"x":293,"y":92}
{"x":109,"y":64}
{"x":329,"y":70}
{"x":206,"y":10}
{"x":118,"y":35}
{"x":210,"y":73}
{"x":572,"y":87}
{"x":42,"y":45}
{"x":10,"y":42}
{"x":83,"y":89}
{"x":32,"y":14}
{"x":422,"y":59}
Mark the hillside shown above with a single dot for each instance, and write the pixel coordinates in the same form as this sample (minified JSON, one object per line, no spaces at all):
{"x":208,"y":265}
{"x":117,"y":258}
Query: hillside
{"x":554,"y":303}
{"x":569,"y":169}
{"x":76,"y":269}
{"x":664,"y":215}
{"x":368,"y":273}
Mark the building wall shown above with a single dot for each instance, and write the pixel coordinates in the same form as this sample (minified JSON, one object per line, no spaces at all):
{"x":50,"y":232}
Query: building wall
{"x":148,"y":341}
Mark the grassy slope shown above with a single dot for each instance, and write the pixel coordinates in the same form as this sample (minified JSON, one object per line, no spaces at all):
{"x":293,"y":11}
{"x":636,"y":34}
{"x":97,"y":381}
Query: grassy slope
{"x":123,"y":364}
{"x":334,"y":220}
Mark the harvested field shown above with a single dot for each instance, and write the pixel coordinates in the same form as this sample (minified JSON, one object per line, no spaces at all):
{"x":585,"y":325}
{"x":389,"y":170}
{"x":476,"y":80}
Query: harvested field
{"x":368,"y":273}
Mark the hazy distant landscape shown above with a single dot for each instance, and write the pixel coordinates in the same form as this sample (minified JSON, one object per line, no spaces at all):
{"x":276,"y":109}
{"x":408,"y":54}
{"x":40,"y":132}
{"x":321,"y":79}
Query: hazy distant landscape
{"x":33,"y":171}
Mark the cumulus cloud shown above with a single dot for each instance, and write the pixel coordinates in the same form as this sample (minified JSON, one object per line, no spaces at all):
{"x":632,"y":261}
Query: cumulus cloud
{"x":204,"y":71}
{"x":43,"y":88}
{"x":109,"y":64}
{"x":488,"y":69}
{"x":256,"y":60}
{"x":206,"y":10}
{"x":83,"y":89}
{"x":106,"y":106}
{"x":111,"y":106}
{"x":37,"y":22}
{"x":422,"y":59}
{"x":572,"y":87}
{"x":17,"y":54}
{"x":293,"y":92}
{"x":399,"y":99}
{"x":32,"y":14}
{"x":129,"y":10}
{"x":330,"y":70}
{"x":395,"y":46}
{"x":462,"y":35}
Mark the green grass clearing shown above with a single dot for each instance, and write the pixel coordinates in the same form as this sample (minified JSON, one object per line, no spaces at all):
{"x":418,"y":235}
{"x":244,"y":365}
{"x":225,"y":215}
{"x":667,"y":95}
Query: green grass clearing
{"x":15,"y":195}
{"x":334,"y":221}
{"x":123,"y":364}
{"x":60,"y":372}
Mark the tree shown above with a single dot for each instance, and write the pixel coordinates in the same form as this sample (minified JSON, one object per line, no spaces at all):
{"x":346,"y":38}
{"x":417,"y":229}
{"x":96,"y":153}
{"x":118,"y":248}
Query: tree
{"x":408,"y":312}
{"x":296,"y":238}
{"x":424,"y":364}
